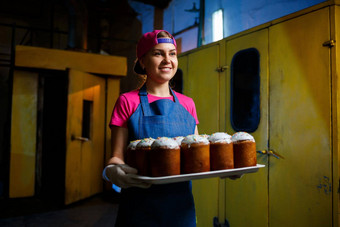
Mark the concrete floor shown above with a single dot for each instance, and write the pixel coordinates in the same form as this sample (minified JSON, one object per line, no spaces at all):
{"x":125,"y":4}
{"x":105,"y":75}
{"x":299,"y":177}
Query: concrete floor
{"x":99,"y":210}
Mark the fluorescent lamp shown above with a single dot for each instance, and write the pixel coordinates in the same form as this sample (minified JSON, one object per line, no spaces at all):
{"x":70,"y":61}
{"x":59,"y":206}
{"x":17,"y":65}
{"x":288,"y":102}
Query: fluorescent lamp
{"x":217,"y":25}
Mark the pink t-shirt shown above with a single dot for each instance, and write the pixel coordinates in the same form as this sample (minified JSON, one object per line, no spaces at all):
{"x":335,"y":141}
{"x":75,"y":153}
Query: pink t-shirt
{"x":127,"y":104}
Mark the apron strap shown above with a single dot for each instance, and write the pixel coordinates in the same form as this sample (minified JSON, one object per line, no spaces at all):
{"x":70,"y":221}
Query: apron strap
{"x":173,"y":94}
{"x":144,"y":101}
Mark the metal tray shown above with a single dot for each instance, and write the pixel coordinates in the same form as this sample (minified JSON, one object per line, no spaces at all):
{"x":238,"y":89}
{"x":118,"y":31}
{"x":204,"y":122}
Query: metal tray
{"x":195,"y":176}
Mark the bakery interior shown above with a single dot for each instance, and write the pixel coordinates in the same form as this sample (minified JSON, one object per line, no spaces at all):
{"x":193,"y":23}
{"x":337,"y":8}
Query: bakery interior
{"x":65,"y":61}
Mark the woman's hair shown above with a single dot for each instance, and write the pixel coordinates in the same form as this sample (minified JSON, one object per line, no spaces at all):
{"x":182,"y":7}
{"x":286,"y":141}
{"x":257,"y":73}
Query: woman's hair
{"x":164,"y":34}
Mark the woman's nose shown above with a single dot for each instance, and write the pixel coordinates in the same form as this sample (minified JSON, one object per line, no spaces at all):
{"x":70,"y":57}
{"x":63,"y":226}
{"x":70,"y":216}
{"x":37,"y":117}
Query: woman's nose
{"x":166,"y":59}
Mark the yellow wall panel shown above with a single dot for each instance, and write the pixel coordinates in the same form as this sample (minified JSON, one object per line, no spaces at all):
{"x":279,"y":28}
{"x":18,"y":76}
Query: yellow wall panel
{"x":23,"y":134}
{"x":335,"y":55}
{"x":113,"y":91}
{"x":300,"y":189}
{"x":203,"y":86}
{"x":250,"y":193}
{"x":201,"y":82}
{"x":93,"y":150}
{"x":74,"y":129}
{"x":37,"y":57}
{"x":84,"y":159}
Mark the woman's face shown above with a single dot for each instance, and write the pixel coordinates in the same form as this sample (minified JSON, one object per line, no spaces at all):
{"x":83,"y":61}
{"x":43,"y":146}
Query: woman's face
{"x":160,"y":62}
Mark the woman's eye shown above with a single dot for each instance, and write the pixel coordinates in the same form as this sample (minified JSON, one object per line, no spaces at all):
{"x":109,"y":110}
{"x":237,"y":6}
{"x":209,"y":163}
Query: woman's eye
{"x":173,"y":54}
{"x":157,"y":53}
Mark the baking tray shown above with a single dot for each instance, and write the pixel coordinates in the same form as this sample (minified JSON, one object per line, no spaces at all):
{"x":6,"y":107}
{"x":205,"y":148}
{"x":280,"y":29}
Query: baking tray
{"x":195,"y":176}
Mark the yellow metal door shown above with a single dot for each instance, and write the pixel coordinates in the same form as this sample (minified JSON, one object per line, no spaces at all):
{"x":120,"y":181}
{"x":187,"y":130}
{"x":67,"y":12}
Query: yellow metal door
{"x":23,"y":134}
{"x":246,"y":199}
{"x":85,"y":136}
{"x":300,"y":189}
{"x":201,"y":82}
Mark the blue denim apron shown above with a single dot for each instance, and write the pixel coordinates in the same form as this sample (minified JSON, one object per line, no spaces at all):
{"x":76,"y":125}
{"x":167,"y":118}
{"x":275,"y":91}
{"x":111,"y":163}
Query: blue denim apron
{"x":160,"y":205}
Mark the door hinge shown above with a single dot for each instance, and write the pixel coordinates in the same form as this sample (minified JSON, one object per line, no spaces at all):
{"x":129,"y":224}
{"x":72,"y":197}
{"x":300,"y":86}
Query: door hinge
{"x":329,"y":43}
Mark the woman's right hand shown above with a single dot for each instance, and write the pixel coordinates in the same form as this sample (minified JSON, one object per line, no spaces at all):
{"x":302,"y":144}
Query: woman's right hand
{"x":122,"y":176}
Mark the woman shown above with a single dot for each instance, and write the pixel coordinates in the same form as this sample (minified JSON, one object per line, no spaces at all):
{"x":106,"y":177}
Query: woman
{"x":154,"y":110}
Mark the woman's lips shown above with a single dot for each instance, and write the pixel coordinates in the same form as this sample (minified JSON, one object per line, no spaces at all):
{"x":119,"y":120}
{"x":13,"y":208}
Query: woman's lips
{"x":165,"y":69}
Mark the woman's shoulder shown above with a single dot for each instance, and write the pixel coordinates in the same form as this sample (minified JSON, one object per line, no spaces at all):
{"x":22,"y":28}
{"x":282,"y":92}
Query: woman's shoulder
{"x":128,"y":99}
{"x":130,"y":94}
{"x":183,"y":98}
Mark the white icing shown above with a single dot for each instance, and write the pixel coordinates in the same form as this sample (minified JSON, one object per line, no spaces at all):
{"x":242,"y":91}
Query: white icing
{"x":132,"y":145}
{"x":146,"y":142}
{"x":220,"y":137}
{"x":190,"y":139}
{"x":165,"y":142}
{"x":178,"y":139}
{"x":239,"y":136}
{"x":205,"y":136}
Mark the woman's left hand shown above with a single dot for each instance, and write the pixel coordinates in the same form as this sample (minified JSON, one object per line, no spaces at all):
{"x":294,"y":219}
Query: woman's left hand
{"x":122,"y":176}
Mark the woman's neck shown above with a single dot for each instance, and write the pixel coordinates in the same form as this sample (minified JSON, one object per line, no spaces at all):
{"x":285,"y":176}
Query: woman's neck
{"x":161,"y":90}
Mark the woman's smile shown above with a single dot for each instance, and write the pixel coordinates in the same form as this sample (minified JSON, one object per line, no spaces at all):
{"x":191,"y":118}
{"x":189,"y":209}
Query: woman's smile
{"x":165,"y":69}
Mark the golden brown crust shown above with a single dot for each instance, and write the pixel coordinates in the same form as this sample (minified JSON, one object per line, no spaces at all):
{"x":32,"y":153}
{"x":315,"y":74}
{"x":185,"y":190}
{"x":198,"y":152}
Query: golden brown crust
{"x":195,"y":158}
{"x":164,"y":162}
{"x":138,"y":159}
{"x":244,"y":154}
{"x":221,"y":156}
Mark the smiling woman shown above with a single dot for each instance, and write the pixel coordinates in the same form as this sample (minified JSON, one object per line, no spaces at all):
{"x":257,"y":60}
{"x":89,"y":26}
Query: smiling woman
{"x":152,"y":111}
{"x":160,"y":64}
{"x":162,"y":37}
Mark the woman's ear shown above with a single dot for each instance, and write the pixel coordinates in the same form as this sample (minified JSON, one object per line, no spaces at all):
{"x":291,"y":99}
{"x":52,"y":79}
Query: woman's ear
{"x":141,"y":63}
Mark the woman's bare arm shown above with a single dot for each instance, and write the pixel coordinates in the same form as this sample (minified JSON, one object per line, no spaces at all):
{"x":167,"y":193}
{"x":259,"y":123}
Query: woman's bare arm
{"x":119,"y":139}
{"x":196,"y":130}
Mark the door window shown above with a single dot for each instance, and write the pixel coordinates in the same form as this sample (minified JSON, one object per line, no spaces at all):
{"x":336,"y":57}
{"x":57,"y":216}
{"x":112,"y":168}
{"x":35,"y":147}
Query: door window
{"x":245,"y":90}
{"x":87,"y":118}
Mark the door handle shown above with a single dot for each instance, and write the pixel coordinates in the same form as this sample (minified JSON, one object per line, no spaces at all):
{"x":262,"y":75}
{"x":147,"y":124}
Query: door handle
{"x":272,"y":153}
{"x":222,"y":68}
{"x":83,"y":139}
